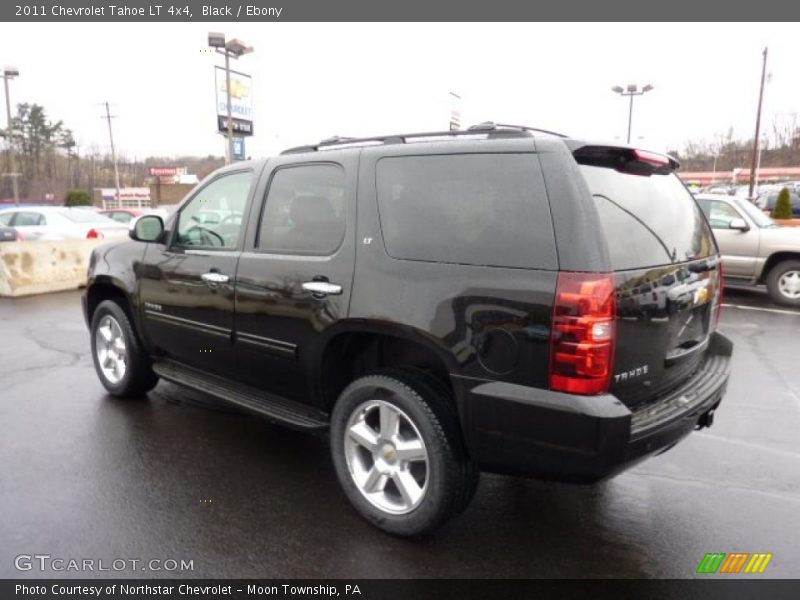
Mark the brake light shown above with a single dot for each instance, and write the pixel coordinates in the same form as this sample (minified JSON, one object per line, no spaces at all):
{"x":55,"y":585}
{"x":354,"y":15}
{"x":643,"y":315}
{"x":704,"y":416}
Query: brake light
{"x":651,"y":158}
{"x":718,"y":294}
{"x":94,"y":235}
{"x":583,"y":333}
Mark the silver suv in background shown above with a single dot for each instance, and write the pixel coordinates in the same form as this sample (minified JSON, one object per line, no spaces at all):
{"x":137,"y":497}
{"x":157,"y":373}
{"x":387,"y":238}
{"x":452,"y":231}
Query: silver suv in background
{"x":755,"y":250}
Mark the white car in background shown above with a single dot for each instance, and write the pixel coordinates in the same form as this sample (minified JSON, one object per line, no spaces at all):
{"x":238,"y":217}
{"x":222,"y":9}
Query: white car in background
{"x":49,"y":223}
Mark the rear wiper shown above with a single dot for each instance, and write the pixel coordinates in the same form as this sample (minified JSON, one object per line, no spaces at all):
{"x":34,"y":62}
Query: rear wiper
{"x":671,"y":255}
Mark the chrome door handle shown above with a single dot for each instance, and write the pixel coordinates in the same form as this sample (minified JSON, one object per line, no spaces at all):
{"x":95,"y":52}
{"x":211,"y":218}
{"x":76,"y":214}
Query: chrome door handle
{"x":214,"y":277}
{"x":322,"y":288}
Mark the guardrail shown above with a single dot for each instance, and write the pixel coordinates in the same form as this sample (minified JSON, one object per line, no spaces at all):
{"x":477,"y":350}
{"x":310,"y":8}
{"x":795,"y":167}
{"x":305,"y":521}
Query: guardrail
{"x":39,"y":267}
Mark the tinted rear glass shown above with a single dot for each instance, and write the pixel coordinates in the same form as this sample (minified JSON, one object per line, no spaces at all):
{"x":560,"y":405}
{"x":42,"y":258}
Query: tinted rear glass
{"x":648,"y":221}
{"x":478,"y":209}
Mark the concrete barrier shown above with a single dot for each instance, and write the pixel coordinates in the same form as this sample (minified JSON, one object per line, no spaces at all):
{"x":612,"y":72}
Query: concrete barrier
{"x":39,"y":267}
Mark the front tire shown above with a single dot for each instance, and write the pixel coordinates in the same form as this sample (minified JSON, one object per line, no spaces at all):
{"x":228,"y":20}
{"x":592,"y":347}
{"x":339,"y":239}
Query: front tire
{"x":783,"y":283}
{"x":121,"y":363}
{"x":398,"y":453}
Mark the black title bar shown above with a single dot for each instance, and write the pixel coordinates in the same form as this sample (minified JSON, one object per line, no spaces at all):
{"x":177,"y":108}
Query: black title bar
{"x":408,"y":10}
{"x":733,"y":588}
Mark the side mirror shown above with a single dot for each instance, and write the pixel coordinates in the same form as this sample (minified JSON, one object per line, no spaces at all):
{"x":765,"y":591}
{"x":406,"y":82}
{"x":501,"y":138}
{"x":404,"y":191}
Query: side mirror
{"x":739,"y":224}
{"x":149,"y":228}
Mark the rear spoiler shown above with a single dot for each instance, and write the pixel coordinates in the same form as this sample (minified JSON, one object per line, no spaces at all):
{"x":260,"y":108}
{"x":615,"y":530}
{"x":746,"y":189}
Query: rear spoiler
{"x":625,"y":159}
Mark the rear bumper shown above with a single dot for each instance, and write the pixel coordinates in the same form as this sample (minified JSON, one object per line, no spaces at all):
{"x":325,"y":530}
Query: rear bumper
{"x":525,"y":431}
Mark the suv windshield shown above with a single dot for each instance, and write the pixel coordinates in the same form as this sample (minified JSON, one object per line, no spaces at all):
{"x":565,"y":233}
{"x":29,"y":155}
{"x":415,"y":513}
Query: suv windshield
{"x":758,"y":217}
{"x":648,"y":220}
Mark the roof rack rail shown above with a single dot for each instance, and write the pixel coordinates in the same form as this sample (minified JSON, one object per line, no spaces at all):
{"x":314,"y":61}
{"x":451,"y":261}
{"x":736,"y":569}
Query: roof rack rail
{"x":491,"y":129}
{"x":492,"y":126}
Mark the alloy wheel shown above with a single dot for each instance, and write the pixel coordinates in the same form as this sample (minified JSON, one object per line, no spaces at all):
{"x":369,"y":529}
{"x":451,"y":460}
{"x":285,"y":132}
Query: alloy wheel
{"x":789,"y":284}
{"x":386,"y":457}
{"x":111,"y":350}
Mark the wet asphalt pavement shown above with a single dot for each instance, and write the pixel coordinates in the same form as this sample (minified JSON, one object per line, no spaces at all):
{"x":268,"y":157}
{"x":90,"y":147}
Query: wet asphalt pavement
{"x":177,"y":476}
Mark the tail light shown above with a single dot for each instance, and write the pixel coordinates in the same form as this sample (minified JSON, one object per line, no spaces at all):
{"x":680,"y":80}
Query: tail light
{"x":717,"y":303}
{"x":94,"y":235}
{"x":583,"y":333}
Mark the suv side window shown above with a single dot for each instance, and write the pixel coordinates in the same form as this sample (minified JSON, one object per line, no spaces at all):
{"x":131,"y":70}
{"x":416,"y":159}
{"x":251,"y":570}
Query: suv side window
{"x":477,"y":209}
{"x":719,"y":213}
{"x":305,"y":210}
{"x":214,"y":217}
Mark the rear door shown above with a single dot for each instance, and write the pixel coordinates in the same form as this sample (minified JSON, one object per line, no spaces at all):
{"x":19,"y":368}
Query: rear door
{"x":665,"y":265}
{"x":31,"y":225}
{"x":295,"y":275}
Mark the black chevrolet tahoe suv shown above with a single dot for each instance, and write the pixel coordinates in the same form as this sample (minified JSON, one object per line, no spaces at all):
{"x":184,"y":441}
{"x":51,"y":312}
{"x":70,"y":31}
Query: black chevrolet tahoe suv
{"x":500,"y":299}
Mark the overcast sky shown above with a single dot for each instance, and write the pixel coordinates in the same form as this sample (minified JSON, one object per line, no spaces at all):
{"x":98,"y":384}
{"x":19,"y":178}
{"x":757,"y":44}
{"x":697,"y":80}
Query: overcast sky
{"x":312,"y":81}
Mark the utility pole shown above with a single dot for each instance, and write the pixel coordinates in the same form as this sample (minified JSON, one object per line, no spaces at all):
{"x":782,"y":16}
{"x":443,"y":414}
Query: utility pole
{"x":758,"y":162}
{"x":757,"y":140}
{"x":10,"y":73}
{"x":108,"y":117}
{"x":455,"y":111}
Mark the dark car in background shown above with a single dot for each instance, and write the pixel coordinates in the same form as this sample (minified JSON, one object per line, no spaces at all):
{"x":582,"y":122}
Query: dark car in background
{"x":767,"y":202}
{"x":9,"y":234}
{"x":501,"y":299}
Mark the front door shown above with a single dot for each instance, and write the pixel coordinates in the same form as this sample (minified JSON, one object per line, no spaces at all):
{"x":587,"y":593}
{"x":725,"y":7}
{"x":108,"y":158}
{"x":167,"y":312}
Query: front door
{"x":187,"y":285}
{"x":739,"y":249}
{"x":296,"y":271}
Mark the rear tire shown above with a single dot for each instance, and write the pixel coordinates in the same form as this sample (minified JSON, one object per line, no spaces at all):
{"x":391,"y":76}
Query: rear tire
{"x":783,"y":283}
{"x":403,"y":497}
{"x":121,"y":363}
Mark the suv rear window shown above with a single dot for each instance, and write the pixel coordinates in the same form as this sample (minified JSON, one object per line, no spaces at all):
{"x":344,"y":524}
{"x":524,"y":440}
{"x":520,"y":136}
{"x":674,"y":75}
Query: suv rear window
{"x":648,"y":220}
{"x":477,"y":209}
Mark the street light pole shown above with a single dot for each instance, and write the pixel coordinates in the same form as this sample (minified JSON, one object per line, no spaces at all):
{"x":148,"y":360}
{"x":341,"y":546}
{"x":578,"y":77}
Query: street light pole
{"x":631,"y":91}
{"x":630,"y":118}
{"x":10,"y":73}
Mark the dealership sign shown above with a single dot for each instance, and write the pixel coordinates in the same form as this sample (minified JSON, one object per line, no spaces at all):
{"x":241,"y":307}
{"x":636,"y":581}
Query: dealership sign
{"x":241,"y":101}
{"x":167,"y":171}
{"x":239,"y":127}
{"x":128,"y":196}
{"x":238,"y":148}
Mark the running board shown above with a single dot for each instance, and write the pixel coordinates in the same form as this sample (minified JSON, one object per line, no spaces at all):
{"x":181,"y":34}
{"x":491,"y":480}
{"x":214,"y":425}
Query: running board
{"x":274,"y":408}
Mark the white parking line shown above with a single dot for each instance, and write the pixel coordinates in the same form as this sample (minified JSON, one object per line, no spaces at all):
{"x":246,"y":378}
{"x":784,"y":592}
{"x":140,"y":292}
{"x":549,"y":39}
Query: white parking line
{"x":772,"y":310}
{"x":762,"y":448}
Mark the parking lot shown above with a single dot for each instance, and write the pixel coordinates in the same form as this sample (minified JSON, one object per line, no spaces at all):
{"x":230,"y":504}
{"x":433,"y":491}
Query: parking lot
{"x":178,"y":476}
